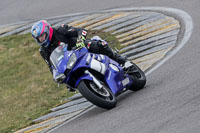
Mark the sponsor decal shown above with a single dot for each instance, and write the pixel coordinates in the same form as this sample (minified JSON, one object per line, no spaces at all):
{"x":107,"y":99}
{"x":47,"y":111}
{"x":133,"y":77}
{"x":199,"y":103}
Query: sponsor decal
{"x":59,"y":43}
{"x":84,"y":32}
{"x":59,"y":58}
{"x":88,"y":45}
{"x":35,"y":33}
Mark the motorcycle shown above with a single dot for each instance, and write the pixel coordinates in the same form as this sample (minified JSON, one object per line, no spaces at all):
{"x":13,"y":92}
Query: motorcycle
{"x":97,"y":77}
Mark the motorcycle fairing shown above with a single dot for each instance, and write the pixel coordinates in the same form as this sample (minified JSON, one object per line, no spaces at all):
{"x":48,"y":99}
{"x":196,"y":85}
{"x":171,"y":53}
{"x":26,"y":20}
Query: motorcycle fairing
{"x":112,"y":71}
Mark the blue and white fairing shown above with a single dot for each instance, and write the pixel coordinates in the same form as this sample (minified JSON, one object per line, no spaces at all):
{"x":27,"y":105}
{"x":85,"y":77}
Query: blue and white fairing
{"x":66,"y":63}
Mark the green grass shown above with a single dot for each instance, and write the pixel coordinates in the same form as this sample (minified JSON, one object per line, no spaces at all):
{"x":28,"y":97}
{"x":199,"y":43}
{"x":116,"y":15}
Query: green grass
{"x":27,"y":90}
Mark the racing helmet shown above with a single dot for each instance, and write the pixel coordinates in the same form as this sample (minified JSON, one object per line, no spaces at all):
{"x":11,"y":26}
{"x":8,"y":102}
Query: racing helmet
{"x":42,"y":29}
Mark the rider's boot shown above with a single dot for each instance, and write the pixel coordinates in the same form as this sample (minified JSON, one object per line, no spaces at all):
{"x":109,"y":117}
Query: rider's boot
{"x":109,"y":52}
{"x":118,"y":58}
{"x":122,"y":60}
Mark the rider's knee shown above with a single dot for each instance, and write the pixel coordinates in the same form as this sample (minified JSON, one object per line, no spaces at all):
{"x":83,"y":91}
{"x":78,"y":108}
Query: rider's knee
{"x":102,"y":44}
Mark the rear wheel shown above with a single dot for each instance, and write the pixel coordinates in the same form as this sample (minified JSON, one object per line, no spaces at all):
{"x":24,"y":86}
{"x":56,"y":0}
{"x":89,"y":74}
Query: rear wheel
{"x":103,"y":97}
{"x":138,"y":76}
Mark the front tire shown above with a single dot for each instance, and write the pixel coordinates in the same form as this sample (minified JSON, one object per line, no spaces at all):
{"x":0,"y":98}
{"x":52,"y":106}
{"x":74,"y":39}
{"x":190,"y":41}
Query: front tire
{"x":104,"y":98}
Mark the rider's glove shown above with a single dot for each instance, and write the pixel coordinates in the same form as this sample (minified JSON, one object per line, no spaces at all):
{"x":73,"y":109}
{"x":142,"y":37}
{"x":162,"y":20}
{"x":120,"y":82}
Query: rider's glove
{"x":80,"y":41}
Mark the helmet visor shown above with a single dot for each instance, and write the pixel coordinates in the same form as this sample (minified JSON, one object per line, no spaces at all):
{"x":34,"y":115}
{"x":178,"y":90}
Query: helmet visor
{"x":42,"y":37}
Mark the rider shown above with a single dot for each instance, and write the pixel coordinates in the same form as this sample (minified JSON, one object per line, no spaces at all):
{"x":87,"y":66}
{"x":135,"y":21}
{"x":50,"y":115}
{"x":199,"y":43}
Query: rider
{"x":49,"y":38}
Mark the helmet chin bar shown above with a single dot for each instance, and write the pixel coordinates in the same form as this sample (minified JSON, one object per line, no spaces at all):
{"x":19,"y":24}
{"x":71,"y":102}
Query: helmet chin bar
{"x":47,"y":43}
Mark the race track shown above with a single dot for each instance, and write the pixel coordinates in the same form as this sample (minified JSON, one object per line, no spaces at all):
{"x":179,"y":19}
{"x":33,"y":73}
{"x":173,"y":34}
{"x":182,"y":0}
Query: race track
{"x":170,"y":102}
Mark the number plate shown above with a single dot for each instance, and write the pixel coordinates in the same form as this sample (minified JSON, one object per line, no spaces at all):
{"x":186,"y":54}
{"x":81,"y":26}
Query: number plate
{"x":125,"y":81}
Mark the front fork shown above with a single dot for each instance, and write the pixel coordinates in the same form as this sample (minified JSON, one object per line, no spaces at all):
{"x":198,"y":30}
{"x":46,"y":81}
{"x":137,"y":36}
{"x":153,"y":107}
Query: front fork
{"x":99,"y":85}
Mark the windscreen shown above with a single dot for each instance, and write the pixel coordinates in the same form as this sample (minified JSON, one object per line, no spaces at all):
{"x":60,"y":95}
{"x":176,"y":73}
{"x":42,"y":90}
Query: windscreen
{"x":57,"y":55}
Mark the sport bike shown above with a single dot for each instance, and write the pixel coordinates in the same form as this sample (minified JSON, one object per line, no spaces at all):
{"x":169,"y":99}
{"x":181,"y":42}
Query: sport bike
{"x":97,"y":77}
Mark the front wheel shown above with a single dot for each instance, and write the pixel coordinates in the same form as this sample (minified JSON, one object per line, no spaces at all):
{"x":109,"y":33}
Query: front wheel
{"x":138,"y":76}
{"x":103,"y":97}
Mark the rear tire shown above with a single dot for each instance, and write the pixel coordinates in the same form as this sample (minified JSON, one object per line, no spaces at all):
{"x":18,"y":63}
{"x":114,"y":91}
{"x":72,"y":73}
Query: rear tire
{"x":139,"y":78}
{"x":104,"y":100}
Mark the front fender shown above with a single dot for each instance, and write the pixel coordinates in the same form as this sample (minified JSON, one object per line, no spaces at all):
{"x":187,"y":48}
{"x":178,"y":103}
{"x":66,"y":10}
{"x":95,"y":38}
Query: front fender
{"x":85,"y":76}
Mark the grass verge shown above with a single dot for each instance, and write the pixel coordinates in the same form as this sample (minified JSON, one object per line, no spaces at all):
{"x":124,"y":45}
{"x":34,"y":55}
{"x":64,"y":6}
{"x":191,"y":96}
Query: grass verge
{"x":27,"y":90}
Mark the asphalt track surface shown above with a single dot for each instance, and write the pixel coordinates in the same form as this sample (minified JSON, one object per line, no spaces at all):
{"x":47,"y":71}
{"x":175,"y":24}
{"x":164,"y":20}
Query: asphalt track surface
{"x":170,"y":102}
